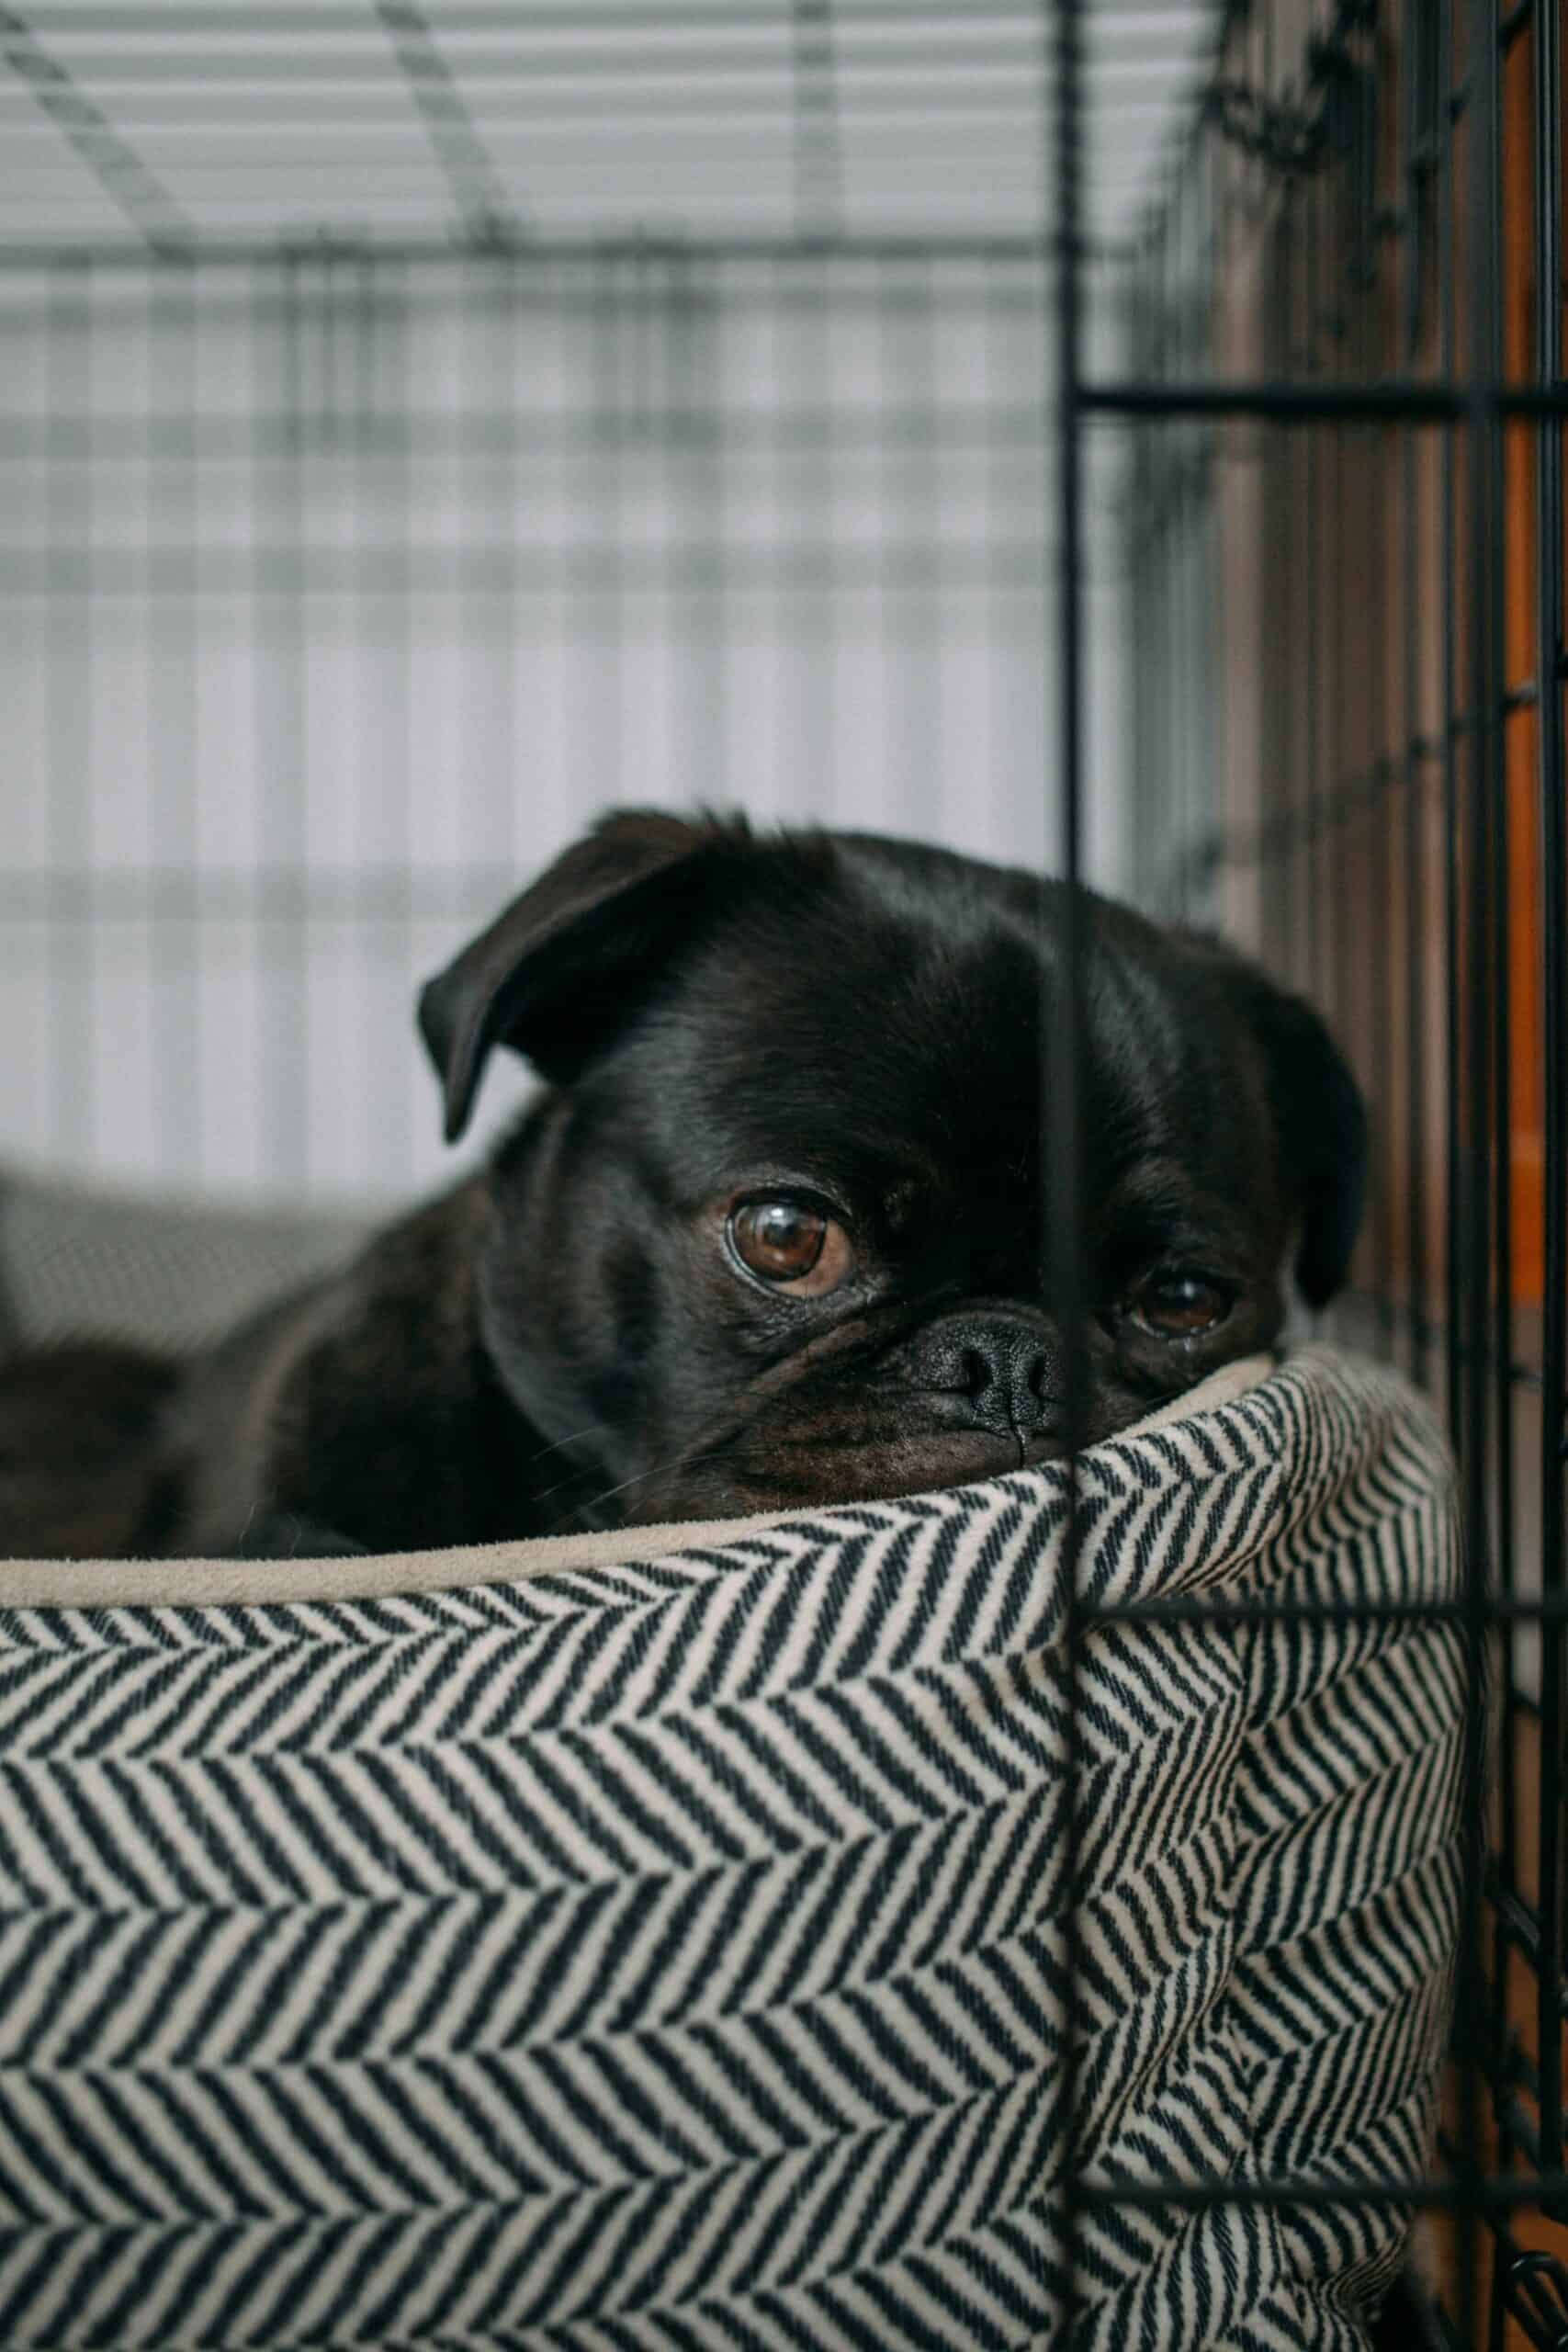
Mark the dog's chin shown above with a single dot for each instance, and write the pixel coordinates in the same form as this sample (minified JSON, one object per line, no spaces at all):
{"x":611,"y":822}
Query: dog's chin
{"x":812,"y":1472}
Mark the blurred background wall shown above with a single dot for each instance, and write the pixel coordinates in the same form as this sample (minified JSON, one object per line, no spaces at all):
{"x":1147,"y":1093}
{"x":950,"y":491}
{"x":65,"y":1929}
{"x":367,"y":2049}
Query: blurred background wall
{"x":419,"y":432}
{"x":339,"y":596}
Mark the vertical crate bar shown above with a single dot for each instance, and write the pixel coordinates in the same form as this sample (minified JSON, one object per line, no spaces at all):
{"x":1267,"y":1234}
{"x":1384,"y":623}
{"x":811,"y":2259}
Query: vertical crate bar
{"x":70,"y":956}
{"x":1552,"y":783}
{"x":280,"y":571}
{"x":1413,"y":758}
{"x":178,"y":941}
{"x":1481,"y":1274}
{"x":1061,"y":1136}
{"x":1447,"y":273}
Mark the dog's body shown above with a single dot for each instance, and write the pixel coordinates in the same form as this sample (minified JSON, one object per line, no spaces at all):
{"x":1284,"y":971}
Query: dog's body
{"x":777,"y":1229}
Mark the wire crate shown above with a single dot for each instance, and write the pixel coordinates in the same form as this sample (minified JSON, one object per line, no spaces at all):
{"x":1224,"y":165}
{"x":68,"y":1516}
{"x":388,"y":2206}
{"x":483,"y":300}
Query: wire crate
{"x":420,"y":434}
{"x":1346,"y":360}
{"x":1123,"y":437}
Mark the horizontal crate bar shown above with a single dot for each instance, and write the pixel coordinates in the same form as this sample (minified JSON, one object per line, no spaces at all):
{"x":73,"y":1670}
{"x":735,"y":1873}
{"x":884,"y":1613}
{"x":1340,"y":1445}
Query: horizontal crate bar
{"x":253,"y":253}
{"x":1499,"y":2193}
{"x":1414,"y":401}
{"x":1183,"y":1609}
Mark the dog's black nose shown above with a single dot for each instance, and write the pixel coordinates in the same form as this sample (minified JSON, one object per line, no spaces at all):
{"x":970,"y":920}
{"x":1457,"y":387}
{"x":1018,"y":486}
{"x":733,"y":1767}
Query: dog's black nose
{"x":1005,"y":1365}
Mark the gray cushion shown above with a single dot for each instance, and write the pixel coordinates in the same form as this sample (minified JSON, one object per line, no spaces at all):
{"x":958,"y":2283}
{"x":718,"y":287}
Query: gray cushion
{"x":76,"y":1259}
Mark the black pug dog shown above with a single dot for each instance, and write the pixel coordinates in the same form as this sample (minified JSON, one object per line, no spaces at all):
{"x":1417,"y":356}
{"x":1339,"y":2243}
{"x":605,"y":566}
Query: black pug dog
{"x":774,"y":1233}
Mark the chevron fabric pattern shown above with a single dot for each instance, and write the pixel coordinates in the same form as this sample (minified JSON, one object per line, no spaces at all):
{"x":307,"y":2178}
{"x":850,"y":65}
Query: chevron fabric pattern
{"x":678,"y":1955}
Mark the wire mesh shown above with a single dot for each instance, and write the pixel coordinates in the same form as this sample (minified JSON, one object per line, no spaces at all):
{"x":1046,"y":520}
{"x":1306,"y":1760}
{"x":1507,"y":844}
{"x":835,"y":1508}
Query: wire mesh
{"x":340,"y":592}
{"x":418,"y":427}
{"x":187,"y":123}
{"x":1372,"y":416}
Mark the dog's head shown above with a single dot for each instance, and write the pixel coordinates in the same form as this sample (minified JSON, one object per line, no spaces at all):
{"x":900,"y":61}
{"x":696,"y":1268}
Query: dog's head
{"x":781,"y":1229}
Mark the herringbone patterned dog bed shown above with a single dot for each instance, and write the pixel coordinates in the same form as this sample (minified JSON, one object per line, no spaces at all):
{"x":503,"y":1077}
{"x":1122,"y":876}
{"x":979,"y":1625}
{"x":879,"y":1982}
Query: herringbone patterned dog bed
{"x":674,"y":1954}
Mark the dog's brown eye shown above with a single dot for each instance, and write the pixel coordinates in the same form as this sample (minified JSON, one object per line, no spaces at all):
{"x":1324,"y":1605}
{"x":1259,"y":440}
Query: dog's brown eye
{"x":1181,"y":1306}
{"x":786,"y":1243}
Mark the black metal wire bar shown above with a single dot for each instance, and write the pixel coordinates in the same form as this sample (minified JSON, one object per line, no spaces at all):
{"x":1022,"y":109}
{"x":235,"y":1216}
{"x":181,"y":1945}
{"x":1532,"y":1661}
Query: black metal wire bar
{"x":1469,"y":2200}
{"x":594,"y":128}
{"x":999,"y":491}
{"x":819,"y":196}
{"x":186,"y":20}
{"x":70,"y":964}
{"x":631,"y":180}
{"x":491,"y":798}
{"x":618,"y":382}
{"x":1312,"y":529}
{"x":1373,"y":445}
{"x":1551,"y":781}
{"x":1447,"y":205}
{"x":701,"y":447}
{"x":1176,"y":525}
{"x":505,"y":431}
{"x":1536,"y":2286}
{"x":550,"y":287}
{"x":174,"y":626}
{"x":815,"y":336}
{"x":1504,"y":1610}
{"x":597,"y":133}
{"x":1499,"y":993}
{"x":1271,"y":753}
{"x":195,"y":65}
{"x":1479,"y":1271}
{"x":1277,"y":730}
{"x":1139,"y":573}
{"x":470,"y":172}
{"x":1208,"y":742}
{"x":1339,"y":522}
{"x":277,"y":568}
{"x":1414,"y":767}
{"x":120,"y":171}
{"x":280,"y":936}
{"x":245,"y":256}
{"x":485,"y":60}
{"x":1061,"y":1131}
{"x":1402,"y":402}
{"x":406,"y":618}
{"x":1290,"y":683}
{"x":894,"y":605}
{"x":908,"y":338}
{"x":1163,"y":464}
{"x":516,"y":830}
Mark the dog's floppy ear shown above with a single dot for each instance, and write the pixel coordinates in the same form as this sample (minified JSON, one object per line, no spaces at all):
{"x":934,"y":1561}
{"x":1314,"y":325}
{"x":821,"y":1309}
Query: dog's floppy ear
{"x":1320,"y":1122}
{"x":558,"y":969}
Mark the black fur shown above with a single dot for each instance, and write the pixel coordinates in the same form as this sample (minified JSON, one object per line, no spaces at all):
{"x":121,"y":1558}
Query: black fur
{"x":567,"y":1339}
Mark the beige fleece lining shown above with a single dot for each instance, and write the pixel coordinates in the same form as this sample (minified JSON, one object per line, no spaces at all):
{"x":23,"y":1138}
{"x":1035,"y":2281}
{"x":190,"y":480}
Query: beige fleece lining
{"x":220,"y":1584}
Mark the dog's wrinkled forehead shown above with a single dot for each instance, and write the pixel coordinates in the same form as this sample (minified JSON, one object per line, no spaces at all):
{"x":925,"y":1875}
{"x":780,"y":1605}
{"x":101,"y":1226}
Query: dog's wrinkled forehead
{"x":890,"y":1023}
{"x":720,"y":994}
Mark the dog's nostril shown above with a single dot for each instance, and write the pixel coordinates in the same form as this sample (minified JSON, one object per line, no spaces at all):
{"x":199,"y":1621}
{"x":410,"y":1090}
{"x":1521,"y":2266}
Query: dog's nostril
{"x":1003,"y":1367}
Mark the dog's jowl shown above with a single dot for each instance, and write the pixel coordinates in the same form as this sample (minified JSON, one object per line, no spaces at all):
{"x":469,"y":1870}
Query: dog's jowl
{"x":776,"y":1229}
